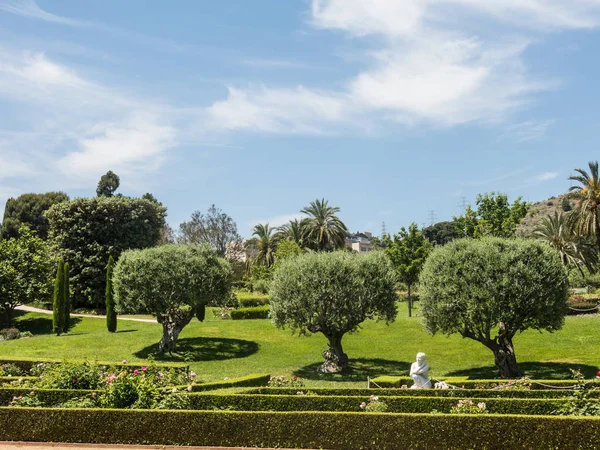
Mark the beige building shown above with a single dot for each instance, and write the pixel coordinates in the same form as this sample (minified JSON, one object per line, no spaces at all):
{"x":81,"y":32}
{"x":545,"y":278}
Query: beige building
{"x":240,"y":251}
{"x":360,"y":241}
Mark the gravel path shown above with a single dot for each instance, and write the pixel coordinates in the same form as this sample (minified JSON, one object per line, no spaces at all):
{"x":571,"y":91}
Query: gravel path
{"x":57,"y":446}
{"x":93,"y":316}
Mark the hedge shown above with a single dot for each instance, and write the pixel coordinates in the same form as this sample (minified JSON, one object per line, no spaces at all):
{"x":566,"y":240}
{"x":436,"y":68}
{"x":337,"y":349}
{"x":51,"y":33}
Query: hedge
{"x":250,"y":300}
{"x":256,"y":312}
{"x":259,"y":379}
{"x":394,"y":392}
{"x":298,"y":429}
{"x":48,"y":397}
{"x":27,"y":363}
{"x":241,"y":402}
{"x":391,"y":382}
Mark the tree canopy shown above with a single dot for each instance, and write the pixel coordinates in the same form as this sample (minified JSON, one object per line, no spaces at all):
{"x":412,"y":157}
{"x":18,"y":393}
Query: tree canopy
{"x":28,"y":210}
{"x":490,"y":289}
{"x":494,"y":216}
{"x":25,"y":272}
{"x":323,"y":229}
{"x":333,"y":293}
{"x":214,"y":228}
{"x":86,"y":231}
{"x":173,"y":282}
{"x":108,"y":184}
{"x":441,"y":233}
{"x":586,"y":194}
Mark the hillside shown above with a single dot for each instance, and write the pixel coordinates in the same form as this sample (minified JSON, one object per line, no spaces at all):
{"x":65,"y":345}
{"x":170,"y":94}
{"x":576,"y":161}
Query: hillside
{"x":542,"y":209}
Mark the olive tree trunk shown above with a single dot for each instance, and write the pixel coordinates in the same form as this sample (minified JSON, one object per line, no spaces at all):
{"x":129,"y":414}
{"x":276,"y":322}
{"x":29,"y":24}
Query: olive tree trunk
{"x":172,"y":324}
{"x":335,"y":344}
{"x":504,"y":354}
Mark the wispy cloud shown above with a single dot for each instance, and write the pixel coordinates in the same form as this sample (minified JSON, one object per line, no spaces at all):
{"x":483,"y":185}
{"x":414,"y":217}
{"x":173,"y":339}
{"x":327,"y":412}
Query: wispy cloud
{"x":30,"y":9}
{"x":545,"y":176}
{"x":529,"y":130}
{"x":280,"y":64}
{"x":277,"y":221}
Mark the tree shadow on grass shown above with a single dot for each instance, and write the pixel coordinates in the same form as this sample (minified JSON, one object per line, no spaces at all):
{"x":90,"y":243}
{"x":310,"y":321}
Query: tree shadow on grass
{"x":359,"y":369}
{"x":38,"y":325}
{"x":534,"y":370}
{"x":204,"y":349}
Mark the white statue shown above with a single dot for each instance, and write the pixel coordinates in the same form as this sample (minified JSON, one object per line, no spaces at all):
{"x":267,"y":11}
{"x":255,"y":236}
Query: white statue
{"x":419,"y":372}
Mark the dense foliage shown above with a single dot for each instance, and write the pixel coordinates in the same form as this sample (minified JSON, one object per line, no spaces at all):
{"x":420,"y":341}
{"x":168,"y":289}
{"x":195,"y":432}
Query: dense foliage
{"x":173,"y":282}
{"x":323,"y":229}
{"x":25,"y":273}
{"x":494,"y":216}
{"x":586,"y":195}
{"x":490,"y":289}
{"x":440,"y":233}
{"x":28,"y":210}
{"x":87,"y":231}
{"x":111,"y":313}
{"x":108,"y":184}
{"x":333,"y":293}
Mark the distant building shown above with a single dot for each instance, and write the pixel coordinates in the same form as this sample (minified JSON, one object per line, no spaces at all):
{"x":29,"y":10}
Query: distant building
{"x":240,"y":251}
{"x":360,"y":241}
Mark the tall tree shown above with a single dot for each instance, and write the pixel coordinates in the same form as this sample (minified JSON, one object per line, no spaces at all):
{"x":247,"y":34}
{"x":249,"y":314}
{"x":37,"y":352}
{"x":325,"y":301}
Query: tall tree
{"x":324,"y":230}
{"x":441,"y":233}
{"x":587,"y":201}
{"x":86,"y":231}
{"x":294,"y":230}
{"x":490,"y":289}
{"x":407,"y":251}
{"x":574,"y":250}
{"x":265,"y":240}
{"x":108,"y":184}
{"x":25,"y":273}
{"x":214,"y":228}
{"x":58,"y":308}
{"x":494,"y":216}
{"x":28,"y":210}
{"x":67,"y":299}
{"x":111,"y":313}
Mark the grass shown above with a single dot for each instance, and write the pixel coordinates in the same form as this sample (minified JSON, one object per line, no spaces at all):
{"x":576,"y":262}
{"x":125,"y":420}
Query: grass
{"x":224,"y":348}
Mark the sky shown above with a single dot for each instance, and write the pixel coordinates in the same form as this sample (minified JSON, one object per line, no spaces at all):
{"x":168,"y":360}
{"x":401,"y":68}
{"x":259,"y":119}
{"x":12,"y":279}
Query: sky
{"x":394,"y":111}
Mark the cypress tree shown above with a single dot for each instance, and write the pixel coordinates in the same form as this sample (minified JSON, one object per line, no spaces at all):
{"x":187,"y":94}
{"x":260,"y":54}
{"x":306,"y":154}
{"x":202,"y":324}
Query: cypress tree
{"x":111,"y":314}
{"x":59,"y":298}
{"x":67,"y":302}
{"x":201,"y":312}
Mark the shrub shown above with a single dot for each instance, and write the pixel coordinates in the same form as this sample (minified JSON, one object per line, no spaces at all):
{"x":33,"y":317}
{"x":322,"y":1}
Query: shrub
{"x":59,"y":298}
{"x":256,"y":312}
{"x":579,"y":304}
{"x":249,"y":299}
{"x":467,"y":406}
{"x":335,"y":431}
{"x":261,"y":286}
{"x":11,"y":370}
{"x":9,"y":334}
{"x":296,"y":381}
{"x":249,"y":380}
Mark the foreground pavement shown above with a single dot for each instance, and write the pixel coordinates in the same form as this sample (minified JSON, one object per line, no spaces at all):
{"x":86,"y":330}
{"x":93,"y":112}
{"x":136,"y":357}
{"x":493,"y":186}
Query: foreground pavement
{"x":58,"y":446}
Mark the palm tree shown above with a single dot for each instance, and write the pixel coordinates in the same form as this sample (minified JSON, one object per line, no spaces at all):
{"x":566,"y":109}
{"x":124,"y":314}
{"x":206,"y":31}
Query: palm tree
{"x":574,"y":249}
{"x":324,"y":230}
{"x":266,"y":244}
{"x":587,"y":198}
{"x":294,"y":230}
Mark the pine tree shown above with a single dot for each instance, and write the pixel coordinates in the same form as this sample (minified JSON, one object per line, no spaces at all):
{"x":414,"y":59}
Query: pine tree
{"x":111,"y":314}
{"x":67,"y":300}
{"x":59,"y":298}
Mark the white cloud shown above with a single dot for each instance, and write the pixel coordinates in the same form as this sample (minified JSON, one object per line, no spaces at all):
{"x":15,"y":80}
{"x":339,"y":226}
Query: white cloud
{"x":30,"y":9}
{"x":545,"y":176}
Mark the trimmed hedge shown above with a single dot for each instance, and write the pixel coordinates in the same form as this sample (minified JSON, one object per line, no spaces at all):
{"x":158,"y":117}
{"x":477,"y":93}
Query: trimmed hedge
{"x":241,"y":402}
{"x":259,"y":379}
{"x":17,"y":378}
{"x":394,"y":392}
{"x":256,"y":312}
{"x":391,"y":382}
{"x":298,"y":429}
{"x":27,"y":363}
{"x":48,"y":397}
{"x":250,"y":300}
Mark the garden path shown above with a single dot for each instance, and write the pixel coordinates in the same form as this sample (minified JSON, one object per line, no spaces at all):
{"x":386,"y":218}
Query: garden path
{"x":57,"y":446}
{"x":93,"y":316}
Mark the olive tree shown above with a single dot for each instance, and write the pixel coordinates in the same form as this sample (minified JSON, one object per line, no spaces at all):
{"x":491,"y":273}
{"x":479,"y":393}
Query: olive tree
{"x":490,"y":289}
{"x":173,"y":282}
{"x":333,"y":293}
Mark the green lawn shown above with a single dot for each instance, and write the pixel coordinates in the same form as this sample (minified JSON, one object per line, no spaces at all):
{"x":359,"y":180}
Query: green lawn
{"x":225,"y":348}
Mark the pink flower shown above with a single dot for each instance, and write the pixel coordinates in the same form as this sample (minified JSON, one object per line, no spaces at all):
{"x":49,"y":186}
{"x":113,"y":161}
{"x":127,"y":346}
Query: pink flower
{"x":189,"y":388}
{"x":144,"y":368}
{"x":192,"y":375}
{"x":598,"y":374}
{"x":136,"y":372}
{"x":363,"y":405}
{"x":75,"y":380}
{"x":124,"y":361}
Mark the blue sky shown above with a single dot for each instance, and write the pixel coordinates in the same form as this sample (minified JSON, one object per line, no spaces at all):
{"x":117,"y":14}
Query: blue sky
{"x":388,"y":109}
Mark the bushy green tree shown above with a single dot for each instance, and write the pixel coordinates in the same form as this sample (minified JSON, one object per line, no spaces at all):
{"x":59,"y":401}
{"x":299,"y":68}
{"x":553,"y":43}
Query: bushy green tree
{"x":86,"y":231}
{"x":490,"y":289}
{"x":25,"y":272}
{"x":67,"y":299}
{"x":111,"y":313}
{"x":333,"y":293}
{"x":28,"y":210}
{"x":494,"y":216}
{"x":108,"y":184}
{"x":407,"y":251}
{"x":440,"y":233}
{"x":173,"y":282}
{"x":59,"y":299}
